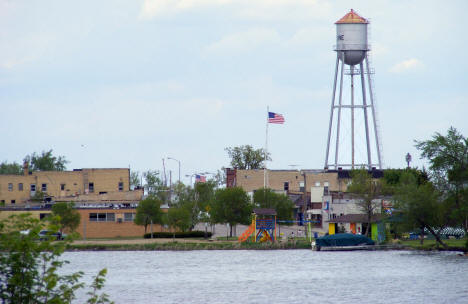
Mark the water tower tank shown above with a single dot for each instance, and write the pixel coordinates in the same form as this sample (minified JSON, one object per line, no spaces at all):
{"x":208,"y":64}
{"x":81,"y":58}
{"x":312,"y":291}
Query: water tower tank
{"x":351,"y":38}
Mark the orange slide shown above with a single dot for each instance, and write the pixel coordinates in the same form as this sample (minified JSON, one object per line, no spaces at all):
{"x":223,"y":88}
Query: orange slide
{"x":245,"y":235}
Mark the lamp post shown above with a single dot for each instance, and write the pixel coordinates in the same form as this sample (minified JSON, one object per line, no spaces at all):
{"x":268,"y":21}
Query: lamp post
{"x":179,"y":165}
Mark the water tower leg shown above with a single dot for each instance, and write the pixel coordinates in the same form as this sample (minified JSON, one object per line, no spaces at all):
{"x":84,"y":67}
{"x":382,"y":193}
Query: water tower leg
{"x":366,"y":122}
{"x":377,"y":143}
{"x":331,"y":111}
{"x":339,"y":115}
{"x":352,"y":117}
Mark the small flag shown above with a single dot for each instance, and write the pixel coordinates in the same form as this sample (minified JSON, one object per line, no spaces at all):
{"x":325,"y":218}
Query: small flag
{"x":327,"y":206}
{"x":275,"y":118}
{"x":200,"y":179}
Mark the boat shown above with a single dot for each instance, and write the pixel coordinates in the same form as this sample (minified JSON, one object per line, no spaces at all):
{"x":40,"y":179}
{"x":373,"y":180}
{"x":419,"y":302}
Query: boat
{"x":343,"y":242}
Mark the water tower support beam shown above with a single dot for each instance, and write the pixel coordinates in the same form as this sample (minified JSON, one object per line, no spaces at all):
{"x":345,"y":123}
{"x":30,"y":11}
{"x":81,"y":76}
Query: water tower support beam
{"x":352,"y":117}
{"x":339,"y":113}
{"x":377,"y":144}
{"x":366,"y":122}
{"x":331,"y":111}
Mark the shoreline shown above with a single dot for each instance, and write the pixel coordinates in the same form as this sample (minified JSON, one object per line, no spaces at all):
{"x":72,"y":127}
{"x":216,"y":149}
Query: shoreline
{"x":187,"y":245}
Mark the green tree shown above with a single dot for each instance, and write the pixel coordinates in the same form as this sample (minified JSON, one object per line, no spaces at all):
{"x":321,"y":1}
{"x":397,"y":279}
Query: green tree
{"x":194,"y":200}
{"x":149,"y":211}
{"x":366,"y":190}
{"x":46,"y":161}
{"x":29,"y":268}
{"x":179,"y":218}
{"x":266,"y":198}
{"x":421,"y":207}
{"x":246,"y":157}
{"x":68,"y":216}
{"x":232,"y":206}
{"x":11,"y":168}
{"x":135,"y":180}
{"x":448,"y":159}
{"x":155,"y":186}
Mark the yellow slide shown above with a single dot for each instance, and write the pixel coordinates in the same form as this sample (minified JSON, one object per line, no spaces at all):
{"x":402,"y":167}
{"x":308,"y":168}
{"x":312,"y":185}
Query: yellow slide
{"x":245,"y":235}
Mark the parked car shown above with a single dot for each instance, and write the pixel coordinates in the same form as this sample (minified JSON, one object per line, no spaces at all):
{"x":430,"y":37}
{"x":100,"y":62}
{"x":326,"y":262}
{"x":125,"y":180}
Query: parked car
{"x":51,"y":235}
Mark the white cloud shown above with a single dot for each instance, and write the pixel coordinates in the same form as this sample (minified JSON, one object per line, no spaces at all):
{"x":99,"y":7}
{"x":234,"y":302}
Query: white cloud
{"x":243,"y":41}
{"x":154,"y":8}
{"x":406,"y":65}
{"x":252,"y":9}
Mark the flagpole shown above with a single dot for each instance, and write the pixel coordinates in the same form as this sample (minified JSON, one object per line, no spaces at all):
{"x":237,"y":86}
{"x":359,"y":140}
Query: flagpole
{"x":265,"y":177}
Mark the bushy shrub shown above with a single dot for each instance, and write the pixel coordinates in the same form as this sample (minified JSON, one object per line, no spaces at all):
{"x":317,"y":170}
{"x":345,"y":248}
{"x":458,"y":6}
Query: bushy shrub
{"x":179,"y":235}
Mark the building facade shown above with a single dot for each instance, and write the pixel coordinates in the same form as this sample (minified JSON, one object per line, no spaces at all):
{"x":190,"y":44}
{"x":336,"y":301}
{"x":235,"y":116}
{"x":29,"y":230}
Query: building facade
{"x":79,"y":184}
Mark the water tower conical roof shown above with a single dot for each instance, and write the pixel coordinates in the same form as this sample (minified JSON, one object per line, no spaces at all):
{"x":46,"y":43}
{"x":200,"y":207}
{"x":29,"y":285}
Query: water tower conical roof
{"x":352,"y":17}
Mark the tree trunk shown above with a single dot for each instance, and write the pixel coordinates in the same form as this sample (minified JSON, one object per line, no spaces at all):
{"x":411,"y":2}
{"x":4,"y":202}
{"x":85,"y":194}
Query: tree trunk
{"x":421,"y":236}
{"x":230,"y":230}
{"x":437,"y":237}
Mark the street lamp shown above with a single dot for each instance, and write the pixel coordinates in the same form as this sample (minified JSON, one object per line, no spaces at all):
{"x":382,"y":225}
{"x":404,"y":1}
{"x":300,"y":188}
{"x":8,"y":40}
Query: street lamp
{"x":179,"y":165}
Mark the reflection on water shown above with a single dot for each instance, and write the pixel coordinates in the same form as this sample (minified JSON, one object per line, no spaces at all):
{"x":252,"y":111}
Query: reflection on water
{"x":277,"y":276}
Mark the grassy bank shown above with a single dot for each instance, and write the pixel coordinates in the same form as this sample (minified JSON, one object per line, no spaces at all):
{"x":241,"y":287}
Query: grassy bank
{"x":180,"y":245}
{"x":454,"y":244}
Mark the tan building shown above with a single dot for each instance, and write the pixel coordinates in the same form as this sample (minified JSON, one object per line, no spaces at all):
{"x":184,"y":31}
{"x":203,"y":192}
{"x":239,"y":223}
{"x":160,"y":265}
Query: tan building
{"x":97,"y":222}
{"x":76,"y":185}
{"x":286,"y":180}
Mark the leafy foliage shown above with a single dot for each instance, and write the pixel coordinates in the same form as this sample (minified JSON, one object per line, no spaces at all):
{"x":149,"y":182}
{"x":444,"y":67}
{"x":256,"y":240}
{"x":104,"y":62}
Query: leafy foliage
{"x":135,"y":180}
{"x":179,"y":218}
{"x":149,"y":211}
{"x":420,"y":205}
{"x":11,"y":168}
{"x":46,"y":161}
{"x":178,"y":234}
{"x":448,"y":158}
{"x":366,"y":190}
{"x":266,"y":198}
{"x":155,"y":186}
{"x":231,"y":205}
{"x":68,"y":217}
{"x":28,"y":268}
{"x":246,"y":157}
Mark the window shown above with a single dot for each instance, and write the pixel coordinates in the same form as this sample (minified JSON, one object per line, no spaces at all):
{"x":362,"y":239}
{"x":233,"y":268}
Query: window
{"x":2,"y":202}
{"x":129,"y":217}
{"x":286,"y":186}
{"x":10,"y":187}
{"x":33,"y":187}
{"x":20,"y":187}
{"x":317,"y":184}
{"x":102,"y":217}
{"x":120,"y":186}
{"x":44,"y":187}
{"x":62,"y":187}
{"x":301,"y":186}
{"x":91,"y":187}
{"x":13,"y":201}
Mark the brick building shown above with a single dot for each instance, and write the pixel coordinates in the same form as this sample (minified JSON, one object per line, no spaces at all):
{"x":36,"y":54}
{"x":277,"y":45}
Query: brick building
{"x":77,"y":185}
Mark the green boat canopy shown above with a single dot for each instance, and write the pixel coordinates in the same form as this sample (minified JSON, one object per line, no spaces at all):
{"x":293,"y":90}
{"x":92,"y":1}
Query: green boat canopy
{"x":343,"y":239}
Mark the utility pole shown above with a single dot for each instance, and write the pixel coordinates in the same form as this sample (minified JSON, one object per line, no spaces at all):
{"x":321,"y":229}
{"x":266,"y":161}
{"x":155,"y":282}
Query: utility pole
{"x":304,"y":198}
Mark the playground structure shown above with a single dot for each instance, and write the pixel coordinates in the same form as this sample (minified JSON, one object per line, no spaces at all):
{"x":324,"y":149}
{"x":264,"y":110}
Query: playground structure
{"x":263,"y":226}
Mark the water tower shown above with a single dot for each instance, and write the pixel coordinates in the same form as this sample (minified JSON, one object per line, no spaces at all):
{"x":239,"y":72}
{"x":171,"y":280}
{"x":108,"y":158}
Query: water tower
{"x":352,"y":50}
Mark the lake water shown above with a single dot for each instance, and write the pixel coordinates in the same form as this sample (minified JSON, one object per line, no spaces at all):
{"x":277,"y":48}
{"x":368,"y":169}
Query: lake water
{"x":277,"y":276}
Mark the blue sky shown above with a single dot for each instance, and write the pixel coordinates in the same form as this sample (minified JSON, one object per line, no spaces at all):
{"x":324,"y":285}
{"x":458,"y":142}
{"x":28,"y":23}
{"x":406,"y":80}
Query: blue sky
{"x":127,"y":83}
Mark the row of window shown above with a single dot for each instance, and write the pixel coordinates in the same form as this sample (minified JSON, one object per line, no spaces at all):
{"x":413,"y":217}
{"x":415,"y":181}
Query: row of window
{"x":110,"y":217}
{"x":301,"y":186}
{"x":62,"y":187}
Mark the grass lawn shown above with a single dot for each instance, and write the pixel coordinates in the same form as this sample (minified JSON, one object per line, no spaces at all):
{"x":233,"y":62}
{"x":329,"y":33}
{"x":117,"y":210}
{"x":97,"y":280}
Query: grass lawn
{"x":432,"y":244}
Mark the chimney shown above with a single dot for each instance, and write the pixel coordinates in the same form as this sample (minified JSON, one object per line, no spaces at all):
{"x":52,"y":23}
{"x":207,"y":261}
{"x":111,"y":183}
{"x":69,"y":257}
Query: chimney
{"x":25,"y":168}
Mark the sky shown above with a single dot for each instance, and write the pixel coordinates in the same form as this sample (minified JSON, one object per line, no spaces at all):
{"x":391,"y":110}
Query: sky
{"x":129,"y":83}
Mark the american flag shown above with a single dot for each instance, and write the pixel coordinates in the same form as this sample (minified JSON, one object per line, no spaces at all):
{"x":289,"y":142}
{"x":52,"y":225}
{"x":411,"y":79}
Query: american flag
{"x":200,"y":178}
{"x":275,"y":118}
